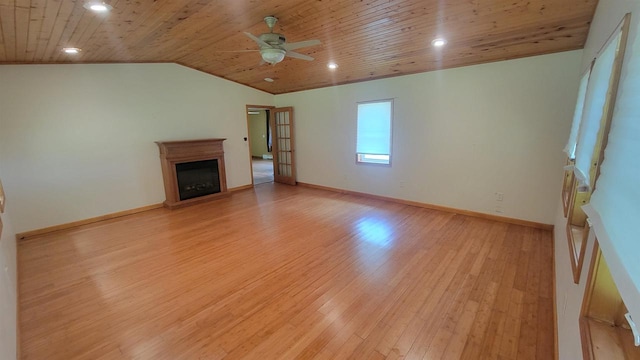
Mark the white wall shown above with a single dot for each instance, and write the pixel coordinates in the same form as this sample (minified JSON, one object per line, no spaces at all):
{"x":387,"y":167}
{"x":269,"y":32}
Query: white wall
{"x":608,"y":15}
{"x":460,"y":135}
{"x":8,"y":284}
{"x":77,"y":141}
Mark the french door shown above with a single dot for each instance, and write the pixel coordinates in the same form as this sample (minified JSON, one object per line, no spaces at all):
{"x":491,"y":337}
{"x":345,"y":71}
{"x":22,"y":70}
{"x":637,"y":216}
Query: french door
{"x":284,"y":165}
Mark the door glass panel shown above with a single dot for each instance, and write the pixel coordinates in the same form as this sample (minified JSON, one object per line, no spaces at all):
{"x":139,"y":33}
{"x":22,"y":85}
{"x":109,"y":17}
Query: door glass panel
{"x":283,"y":149}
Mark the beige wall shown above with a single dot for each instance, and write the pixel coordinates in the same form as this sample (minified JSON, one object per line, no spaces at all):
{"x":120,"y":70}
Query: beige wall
{"x":77,"y":141}
{"x":258,"y":133}
{"x":608,"y":15}
{"x":8,"y":284}
{"x":459,"y":135}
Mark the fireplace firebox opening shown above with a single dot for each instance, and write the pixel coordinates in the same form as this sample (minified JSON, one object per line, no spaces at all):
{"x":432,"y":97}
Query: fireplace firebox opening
{"x":197,"y":178}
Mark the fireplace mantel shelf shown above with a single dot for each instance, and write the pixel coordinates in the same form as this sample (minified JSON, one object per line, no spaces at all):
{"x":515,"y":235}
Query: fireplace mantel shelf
{"x":186,"y":151}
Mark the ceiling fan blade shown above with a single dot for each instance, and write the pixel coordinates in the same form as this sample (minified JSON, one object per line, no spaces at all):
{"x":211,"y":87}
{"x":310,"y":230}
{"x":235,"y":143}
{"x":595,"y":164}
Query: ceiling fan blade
{"x":298,"y":55}
{"x":234,"y":51}
{"x":300,"y":44}
{"x":257,"y":39}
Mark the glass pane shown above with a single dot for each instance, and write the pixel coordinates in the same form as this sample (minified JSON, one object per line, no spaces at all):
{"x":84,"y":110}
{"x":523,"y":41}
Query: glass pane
{"x":598,"y":89}
{"x":374,"y":127}
{"x":373,"y":158}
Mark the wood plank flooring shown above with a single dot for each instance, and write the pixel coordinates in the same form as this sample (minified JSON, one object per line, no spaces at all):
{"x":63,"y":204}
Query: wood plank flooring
{"x":284,"y":272}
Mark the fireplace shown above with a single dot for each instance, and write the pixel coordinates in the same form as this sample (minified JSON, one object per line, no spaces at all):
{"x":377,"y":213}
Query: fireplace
{"x":193,"y":171}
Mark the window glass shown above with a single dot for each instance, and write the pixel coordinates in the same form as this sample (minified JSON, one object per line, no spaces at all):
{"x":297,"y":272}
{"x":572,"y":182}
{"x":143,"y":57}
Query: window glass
{"x":373,"y":144}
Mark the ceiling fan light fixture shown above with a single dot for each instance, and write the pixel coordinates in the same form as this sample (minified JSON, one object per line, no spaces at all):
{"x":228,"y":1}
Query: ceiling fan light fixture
{"x":332,"y":65}
{"x":268,"y":79}
{"x":272,"y":55}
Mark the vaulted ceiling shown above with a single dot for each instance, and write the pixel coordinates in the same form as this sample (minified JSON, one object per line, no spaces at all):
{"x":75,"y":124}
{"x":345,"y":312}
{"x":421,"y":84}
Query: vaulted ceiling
{"x":368,"y":39}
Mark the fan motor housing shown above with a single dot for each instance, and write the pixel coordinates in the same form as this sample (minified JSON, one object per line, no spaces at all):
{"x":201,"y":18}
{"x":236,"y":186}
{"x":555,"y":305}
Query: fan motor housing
{"x":273,"y":39}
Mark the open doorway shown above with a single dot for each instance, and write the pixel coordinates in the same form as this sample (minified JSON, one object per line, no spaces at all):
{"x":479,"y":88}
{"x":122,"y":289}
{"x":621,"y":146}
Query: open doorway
{"x":260,"y":144}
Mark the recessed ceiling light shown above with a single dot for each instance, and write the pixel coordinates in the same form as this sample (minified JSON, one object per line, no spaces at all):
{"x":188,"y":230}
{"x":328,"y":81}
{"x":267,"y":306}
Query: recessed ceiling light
{"x":97,"y":6}
{"x":439,"y":42}
{"x":71,"y":50}
{"x":332,"y":66}
{"x":268,"y":79}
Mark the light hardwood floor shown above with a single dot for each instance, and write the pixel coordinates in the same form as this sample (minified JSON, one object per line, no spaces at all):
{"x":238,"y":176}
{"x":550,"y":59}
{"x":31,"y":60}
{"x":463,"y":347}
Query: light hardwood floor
{"x":288,"y":272}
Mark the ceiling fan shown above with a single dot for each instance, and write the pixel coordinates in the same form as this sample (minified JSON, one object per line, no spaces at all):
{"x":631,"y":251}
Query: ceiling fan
{"x":274,"y":46}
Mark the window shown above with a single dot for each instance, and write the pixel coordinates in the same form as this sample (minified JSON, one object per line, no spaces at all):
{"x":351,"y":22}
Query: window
{"x":373,"y":143}
{"x":591,"y":140}
{"x":570,"y":149}
{"x":616,"y":199}
{"x":599,"y":98}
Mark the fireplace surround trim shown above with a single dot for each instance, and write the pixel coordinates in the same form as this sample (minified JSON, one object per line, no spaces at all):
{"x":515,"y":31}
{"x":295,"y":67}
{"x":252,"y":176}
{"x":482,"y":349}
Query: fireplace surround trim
{"x":185,"y":151}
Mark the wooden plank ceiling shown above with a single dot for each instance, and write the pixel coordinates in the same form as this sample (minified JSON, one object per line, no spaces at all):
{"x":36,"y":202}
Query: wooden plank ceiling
{"x":368,"y":39}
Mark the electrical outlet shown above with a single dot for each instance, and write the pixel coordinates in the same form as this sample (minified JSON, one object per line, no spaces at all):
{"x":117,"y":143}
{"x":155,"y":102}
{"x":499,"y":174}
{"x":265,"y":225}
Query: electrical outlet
{"x":499,"y":209}
{"x":499,"y":196}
